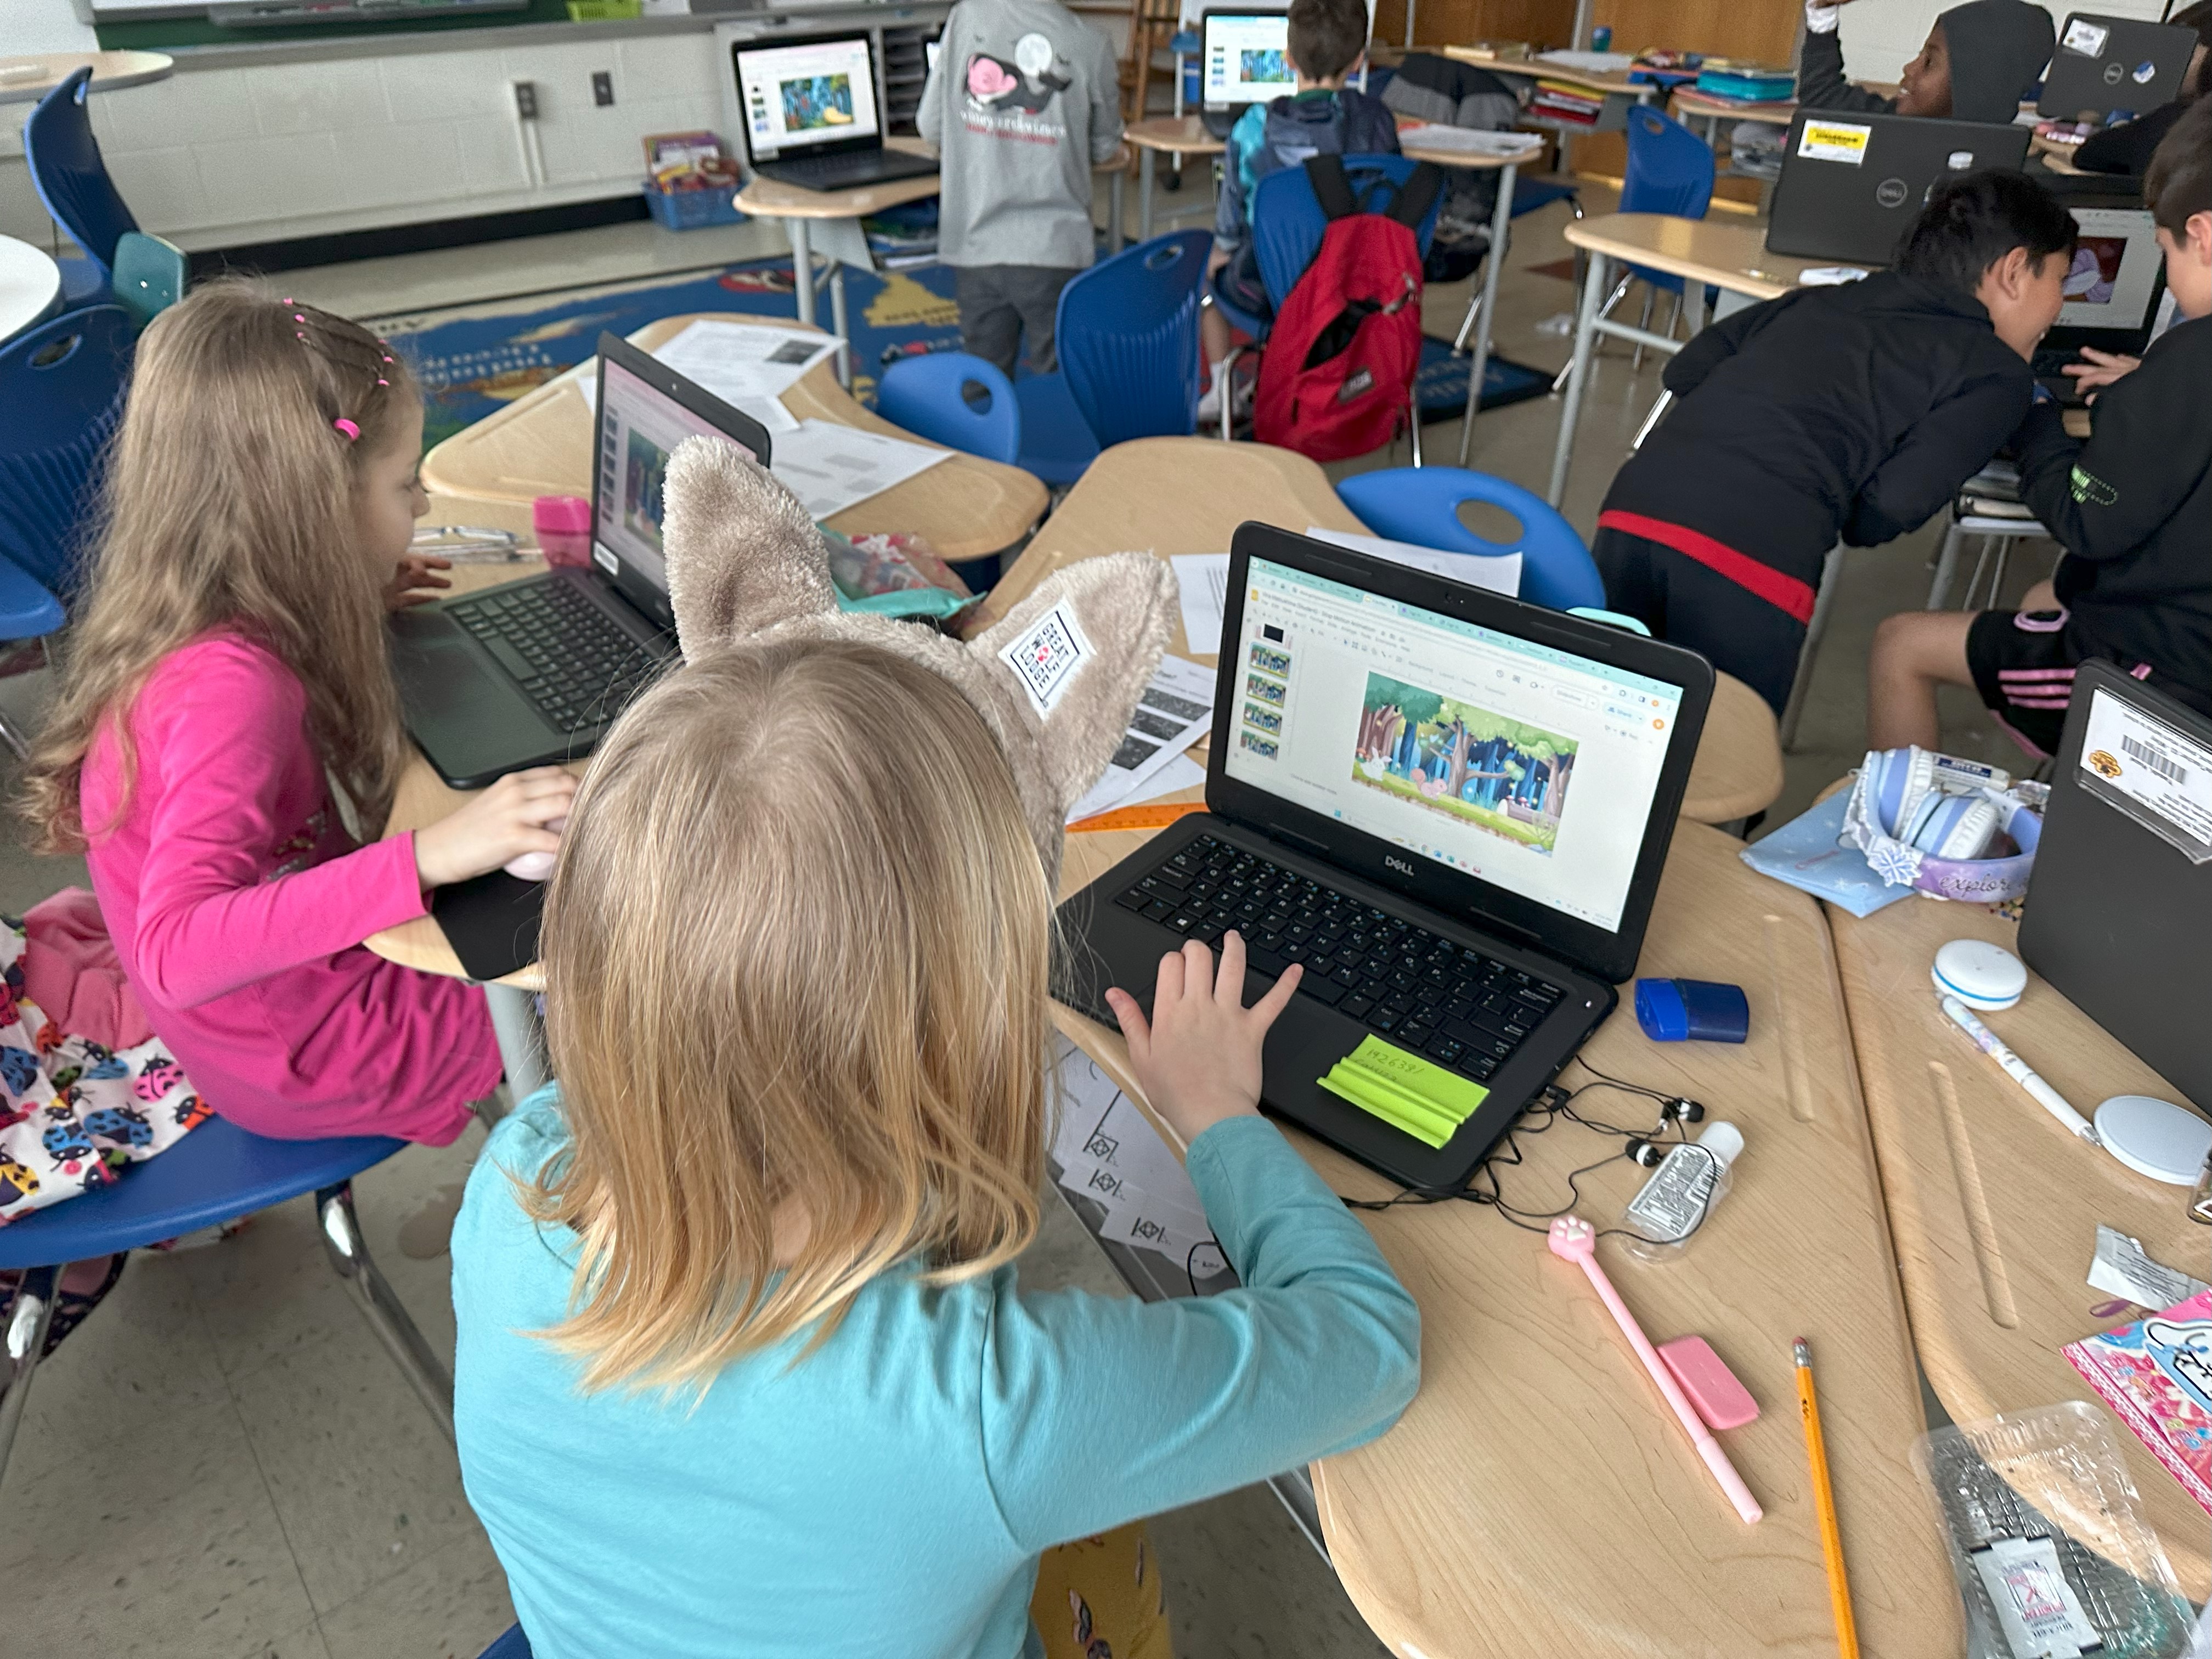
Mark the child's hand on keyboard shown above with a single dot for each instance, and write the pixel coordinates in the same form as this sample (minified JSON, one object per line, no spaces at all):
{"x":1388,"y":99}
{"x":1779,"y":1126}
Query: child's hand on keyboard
{"x":512,"y":817}
{"x":2101,"y":368}
{"x":1198,"y":1057}
{"x":412,"y":583}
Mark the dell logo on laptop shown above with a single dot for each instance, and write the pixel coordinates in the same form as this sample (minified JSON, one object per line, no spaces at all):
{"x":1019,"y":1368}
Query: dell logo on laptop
{"x":1399,"y":865}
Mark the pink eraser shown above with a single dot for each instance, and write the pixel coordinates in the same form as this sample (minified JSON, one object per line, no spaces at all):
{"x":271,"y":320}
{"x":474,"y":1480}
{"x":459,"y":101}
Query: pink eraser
{"x":1722,"y":1401}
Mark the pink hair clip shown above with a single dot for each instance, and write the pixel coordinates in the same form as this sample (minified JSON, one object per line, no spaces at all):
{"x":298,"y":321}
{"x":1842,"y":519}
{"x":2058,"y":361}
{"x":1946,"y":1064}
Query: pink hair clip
{"x":352,"y":432}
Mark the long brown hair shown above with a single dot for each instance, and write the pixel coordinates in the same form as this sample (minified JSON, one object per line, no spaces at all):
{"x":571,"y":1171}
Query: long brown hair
{"x":227,"y":502}
{"x":796,"y":952}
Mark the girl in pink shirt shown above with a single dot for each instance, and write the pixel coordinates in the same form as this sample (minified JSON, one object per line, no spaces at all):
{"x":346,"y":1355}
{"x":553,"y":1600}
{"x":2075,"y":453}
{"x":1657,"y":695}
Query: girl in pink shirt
{"x":226,"y":741}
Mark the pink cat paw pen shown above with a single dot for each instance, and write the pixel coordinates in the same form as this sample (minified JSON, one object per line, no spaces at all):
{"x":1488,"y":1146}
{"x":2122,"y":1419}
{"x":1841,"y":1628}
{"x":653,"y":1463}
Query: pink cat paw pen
{"x":1573,"y":1239}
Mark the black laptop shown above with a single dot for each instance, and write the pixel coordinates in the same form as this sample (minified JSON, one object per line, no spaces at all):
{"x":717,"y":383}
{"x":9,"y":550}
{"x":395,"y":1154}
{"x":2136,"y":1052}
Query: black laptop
{"x":1245,"y":59}
{"x":811,"y":116}
{"x":2120,"y":907}
{"x":2114,"y":68}
{"x":535,"y":670}
{"x":2111,"y":294}
{"x":1450,"y":807}
{"x":1852,"y":184}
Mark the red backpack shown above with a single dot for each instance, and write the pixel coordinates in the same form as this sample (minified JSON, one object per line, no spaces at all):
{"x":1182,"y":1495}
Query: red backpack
{"x":1339,"y":367}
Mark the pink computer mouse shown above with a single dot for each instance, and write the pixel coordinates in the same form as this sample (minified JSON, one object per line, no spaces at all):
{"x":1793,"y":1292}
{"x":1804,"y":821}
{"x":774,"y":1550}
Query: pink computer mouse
{"x":1573,"y":1239}
{"x":536,"y":866}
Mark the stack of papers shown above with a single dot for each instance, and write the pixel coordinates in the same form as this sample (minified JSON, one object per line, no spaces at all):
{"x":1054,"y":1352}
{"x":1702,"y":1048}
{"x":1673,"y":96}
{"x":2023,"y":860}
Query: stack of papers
{"x":1472,"y":141}
{"x":831,"y":467}
{"x":1174,"y":712}
{"x":1588,"y":62}
{"x":1405,"y":1092}
{"x":1110,"y":1152}
{"x":747,"y":365}
{"x":1202,"y":579}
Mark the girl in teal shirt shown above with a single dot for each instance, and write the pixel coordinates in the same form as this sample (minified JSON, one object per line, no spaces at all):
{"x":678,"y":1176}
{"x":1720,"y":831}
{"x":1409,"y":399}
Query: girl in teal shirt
{"x":744,"y":1366}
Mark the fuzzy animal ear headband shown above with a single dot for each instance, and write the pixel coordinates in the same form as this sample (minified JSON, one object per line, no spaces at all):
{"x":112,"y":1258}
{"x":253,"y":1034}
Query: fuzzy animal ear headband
{"x":1056,"y":680}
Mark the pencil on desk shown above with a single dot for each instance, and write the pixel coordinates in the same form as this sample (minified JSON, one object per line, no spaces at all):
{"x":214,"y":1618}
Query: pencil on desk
{"x":1824,"y":1495}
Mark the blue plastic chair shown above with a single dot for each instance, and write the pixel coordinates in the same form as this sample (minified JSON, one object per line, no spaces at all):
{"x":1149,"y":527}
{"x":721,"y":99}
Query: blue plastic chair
{"x":60,"y":397}
{"x":216,"y":1174}
{"x":511,"y":1644}
{"x":72,"y":181}
{"x":1421,"y":505}
{"x":955,"y":400}
{"x":1126,"y":337}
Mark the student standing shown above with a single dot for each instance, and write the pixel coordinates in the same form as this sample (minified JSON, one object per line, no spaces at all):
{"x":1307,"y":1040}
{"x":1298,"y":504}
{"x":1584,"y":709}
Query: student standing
{"x":1325,"y":116}
{"x":1849,"y":413}
{"x":2132,"y":507}
{"x":744,"y":1366}
{"x":1980,"y":61}
{"x":228,"y":665}
{"x":1023,"y":102}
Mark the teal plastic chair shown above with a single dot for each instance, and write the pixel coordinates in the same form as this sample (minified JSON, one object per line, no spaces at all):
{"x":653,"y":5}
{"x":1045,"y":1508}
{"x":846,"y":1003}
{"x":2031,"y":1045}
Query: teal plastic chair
{"x":1421,"y":505}
{"x":149,"y":275}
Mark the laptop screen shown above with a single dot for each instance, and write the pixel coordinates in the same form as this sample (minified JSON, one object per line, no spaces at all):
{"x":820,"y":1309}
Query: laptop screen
{"x":2117,"y":266}
{"x":1515,"y":763}
{"x":639,"y":426}
{"x":813,"y":92}
{"x":1247,"y":57}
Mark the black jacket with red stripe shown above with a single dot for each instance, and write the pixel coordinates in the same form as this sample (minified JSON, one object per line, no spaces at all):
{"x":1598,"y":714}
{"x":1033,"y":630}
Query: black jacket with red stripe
{"x":1850,"y":413}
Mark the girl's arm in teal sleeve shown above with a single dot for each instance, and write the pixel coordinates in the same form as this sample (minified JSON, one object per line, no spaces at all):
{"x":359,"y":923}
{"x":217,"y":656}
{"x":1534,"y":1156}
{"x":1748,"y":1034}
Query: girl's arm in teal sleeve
{"x":1097,"y":1410}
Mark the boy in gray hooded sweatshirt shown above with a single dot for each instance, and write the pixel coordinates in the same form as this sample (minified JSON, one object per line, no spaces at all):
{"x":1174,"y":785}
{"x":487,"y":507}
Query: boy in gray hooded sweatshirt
{"x":1980,"y":59}
{"x":1024,"y":101}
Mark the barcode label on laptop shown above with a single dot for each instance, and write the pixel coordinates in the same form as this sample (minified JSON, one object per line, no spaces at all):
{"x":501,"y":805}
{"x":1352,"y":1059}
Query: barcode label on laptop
{"x":1046,"y":658}
{"x":2172,"y":771}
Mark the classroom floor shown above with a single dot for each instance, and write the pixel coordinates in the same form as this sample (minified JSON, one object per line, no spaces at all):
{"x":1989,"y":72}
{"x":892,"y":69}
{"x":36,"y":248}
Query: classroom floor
{"x":222,"y":1463}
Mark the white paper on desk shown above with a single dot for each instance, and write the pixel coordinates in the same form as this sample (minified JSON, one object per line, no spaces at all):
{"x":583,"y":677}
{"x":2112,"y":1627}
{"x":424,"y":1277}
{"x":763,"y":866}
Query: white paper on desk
{"x":1470,"y":141}
{"x":1202,"y":586}
{"x":1590,"y":63}
{"x":746,"y":365}
{"x":1108,"y":1152}
{"x":1180,"y":772}
{"x":1500,"y":574}
{"x":831,"y":467}
{"x":768,"y":412}
{"x":1175,"y":710}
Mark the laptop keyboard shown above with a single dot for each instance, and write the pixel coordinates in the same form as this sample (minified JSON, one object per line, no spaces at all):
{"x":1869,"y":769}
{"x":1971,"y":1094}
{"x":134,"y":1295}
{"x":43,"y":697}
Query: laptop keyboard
{"x":570,"y":657}
{"x":1459,"y":1007}
{"x":828,"y":169}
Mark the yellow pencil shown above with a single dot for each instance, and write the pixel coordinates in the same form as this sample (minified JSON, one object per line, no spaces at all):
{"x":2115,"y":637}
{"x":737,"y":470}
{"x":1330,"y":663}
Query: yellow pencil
{"x":1824,"y":1495}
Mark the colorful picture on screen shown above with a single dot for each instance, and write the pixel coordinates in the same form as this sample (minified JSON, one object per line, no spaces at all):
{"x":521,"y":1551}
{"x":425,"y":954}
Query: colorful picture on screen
{"x":1464,"y":762}
{"x":814,"y":102}
{"x":642,"y":476}
{"x":2095,"y":269}
{"x":1271,"y":64}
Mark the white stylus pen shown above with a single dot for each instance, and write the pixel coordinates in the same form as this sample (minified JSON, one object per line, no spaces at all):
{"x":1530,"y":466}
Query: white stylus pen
{"x":2020,"y":1072}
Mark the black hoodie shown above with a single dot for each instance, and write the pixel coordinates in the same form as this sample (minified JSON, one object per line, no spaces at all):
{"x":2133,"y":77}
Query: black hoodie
{"x":1851,"y":413}
{"x":1997,"y":49}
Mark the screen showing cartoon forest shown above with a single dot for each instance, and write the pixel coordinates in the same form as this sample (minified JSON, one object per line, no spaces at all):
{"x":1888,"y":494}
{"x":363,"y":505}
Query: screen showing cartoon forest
{"x":1464,"y":761}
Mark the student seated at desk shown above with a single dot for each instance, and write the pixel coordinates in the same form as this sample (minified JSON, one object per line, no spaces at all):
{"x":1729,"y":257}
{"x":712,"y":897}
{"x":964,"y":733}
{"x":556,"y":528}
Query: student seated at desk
{"x":2132,"y":507}
{"x":1326,"y":116}
{"x":1023,"y":102}
{"x":228,"y":665}
{"x":744,"y":1365}
{"x":1849,"y":413}
{"x":1980,"y":60}
{"x":2127,"y":148}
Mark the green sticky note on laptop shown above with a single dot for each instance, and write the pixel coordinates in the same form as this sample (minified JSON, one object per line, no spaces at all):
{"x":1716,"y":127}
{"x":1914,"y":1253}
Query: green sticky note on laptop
{"x":1405,"y":1091}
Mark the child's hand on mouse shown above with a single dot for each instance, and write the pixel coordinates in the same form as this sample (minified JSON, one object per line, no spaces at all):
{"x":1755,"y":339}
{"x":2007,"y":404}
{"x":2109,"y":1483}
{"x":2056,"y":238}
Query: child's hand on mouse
{"x":2102,"y":368}
{"x":512,"y":817}
{"x":1198,"y":1057}
{"x":412,"y":582}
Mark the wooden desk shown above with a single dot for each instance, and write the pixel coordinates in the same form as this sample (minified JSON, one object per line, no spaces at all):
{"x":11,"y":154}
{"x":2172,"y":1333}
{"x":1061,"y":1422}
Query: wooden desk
{"x":30,"y":287}
{"x":1994,"y":1207}
{"x":1172,"y":135}
{"x":111,"y":71}
{"x":1728,"y":256}
{"x":1537,"y":1498}
{"x":1613,"y":86}
{"x":541,"y":444}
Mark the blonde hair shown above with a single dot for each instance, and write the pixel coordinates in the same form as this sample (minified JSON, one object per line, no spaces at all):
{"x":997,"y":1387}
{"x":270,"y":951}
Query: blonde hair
{"x":796,"y":953}
{"x":229,"y":501}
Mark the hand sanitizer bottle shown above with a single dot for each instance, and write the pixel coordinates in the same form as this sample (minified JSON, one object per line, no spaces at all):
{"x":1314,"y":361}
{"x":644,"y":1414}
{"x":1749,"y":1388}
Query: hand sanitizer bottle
{"x":1678,"y":1200}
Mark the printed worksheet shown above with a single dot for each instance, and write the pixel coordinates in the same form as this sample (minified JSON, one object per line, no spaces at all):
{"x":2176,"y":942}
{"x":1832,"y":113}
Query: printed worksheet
{"x":1202,"y":586}
{"x":831,"y":467}
{"x":1174,"y":712}
{"x":746,"y":365}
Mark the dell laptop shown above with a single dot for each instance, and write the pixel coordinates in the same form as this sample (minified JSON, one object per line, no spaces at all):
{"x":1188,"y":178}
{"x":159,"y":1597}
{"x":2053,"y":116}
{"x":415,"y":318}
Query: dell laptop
{"x":1852,"y":184}
{"x":534,"y":672}
{"x":811,"y":116}
{"x":1452,"y":807}
{"x":2114,"y":69}
{"x":1245,"y":59}
{"x":2112,"y":294}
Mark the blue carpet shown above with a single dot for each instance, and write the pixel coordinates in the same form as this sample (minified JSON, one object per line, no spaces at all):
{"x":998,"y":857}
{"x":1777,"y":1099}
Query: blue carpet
{"x":473,"y":367}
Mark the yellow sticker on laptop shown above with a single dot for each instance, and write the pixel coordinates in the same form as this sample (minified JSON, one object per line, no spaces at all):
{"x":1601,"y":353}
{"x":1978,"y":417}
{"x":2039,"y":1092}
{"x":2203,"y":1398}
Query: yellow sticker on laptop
{"x":1834,"y":141}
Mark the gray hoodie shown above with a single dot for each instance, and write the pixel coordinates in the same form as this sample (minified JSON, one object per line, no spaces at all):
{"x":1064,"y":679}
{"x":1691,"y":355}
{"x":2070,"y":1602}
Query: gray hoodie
{"x":1023,"y":101}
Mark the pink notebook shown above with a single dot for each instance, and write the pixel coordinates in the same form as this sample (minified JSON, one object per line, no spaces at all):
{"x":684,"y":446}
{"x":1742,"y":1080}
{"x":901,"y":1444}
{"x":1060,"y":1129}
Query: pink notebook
{"x":2157,"y":1375}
